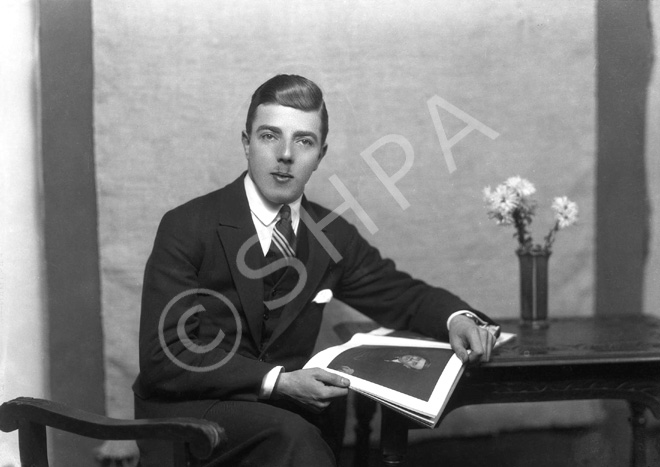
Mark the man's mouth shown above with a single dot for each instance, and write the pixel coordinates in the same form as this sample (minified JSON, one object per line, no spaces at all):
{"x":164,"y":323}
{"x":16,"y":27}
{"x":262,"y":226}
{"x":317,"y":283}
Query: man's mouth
{"x":282,"y":176}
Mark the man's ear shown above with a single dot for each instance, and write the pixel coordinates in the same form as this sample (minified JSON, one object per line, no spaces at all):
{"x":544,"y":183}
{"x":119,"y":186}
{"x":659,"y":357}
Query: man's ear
{"x":324,"y":150}
{"x":246,"y":142}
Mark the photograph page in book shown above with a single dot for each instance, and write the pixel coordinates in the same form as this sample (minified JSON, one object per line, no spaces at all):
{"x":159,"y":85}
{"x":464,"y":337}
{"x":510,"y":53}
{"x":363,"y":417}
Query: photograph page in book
{"x":414,"y":376}
{"x":407,"y":372}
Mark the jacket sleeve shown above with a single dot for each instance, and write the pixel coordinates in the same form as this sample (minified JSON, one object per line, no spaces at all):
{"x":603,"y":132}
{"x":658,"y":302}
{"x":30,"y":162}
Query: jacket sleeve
{"x":173,"y":359}
{"x":373,"y":286}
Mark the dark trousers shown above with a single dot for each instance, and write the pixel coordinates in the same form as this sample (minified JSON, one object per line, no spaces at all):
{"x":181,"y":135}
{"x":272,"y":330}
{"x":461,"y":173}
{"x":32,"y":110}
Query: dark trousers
{"x":260,"y":434}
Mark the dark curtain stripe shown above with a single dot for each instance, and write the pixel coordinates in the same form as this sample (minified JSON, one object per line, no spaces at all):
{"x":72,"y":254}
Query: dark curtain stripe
{"x":71,"y":243}
{"x":625,"y":58}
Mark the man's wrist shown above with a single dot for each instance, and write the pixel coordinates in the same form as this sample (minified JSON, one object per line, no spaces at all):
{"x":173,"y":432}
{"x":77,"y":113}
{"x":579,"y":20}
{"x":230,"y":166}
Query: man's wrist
{"x":492,"y":328}
{"x":269,"y":381}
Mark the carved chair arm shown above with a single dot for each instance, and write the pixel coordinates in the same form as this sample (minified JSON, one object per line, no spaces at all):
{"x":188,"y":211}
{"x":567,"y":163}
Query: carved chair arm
{"x":202,"y":436}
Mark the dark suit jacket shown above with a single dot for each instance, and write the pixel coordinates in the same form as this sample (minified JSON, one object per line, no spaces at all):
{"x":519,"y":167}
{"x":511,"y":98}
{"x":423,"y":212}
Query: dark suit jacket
{"x":196,"y":247}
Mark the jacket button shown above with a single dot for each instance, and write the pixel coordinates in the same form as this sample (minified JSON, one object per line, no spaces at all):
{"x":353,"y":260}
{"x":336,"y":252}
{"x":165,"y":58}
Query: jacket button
{"x":266,"y":316}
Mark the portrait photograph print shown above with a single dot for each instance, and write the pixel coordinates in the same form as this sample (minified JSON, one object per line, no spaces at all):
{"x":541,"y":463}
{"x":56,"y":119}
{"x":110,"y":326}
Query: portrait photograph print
{"x":410,"y":370}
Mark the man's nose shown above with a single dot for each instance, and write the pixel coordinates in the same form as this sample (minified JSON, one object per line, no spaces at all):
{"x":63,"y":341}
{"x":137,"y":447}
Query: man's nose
{"x":286,"y":150}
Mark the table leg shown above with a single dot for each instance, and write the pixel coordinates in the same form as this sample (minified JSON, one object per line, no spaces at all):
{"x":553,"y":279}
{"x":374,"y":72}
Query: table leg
{"x":365,"y":408}
{"x":393,"y":438}
{"x":638,"y":422}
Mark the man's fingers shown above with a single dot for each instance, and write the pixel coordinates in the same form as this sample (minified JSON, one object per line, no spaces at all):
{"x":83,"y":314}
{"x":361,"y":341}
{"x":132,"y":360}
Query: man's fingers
{"x":490,"y":341}
{"x":333,"y":392}
{"x":320,"y":405}
{"x":334,"y":386}
{"x":477,"y":347}
{"x":464,"y":335}
{"x":331,"y":379}
{"x":459,"y":349}
{"x":484,"y":340}
{"x":313,"y":388}
{"x":474,"y":344}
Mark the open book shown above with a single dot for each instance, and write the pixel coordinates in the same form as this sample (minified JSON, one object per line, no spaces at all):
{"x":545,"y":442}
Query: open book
{"x":414,"y":376}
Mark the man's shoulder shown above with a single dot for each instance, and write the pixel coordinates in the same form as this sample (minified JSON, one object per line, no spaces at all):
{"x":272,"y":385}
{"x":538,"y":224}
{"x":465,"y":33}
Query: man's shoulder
{"x":199,"y":203}
{"x":207,"y":207}
{"x":320,"y":214}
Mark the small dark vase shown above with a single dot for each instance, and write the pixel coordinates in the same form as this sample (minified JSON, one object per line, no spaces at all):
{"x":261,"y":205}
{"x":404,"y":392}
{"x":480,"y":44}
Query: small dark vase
{"x":534,"y":288}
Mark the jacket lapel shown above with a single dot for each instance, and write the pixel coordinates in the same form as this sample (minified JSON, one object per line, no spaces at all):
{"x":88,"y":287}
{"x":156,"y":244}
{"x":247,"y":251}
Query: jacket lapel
{"x":242,"y":253}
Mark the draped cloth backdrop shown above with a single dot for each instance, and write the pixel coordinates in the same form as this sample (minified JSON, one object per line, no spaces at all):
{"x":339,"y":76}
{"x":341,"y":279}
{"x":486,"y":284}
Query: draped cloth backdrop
{"x":172,"y":83}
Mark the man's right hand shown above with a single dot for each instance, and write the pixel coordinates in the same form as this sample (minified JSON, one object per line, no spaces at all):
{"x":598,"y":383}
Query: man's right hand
{"x":314,"y":388}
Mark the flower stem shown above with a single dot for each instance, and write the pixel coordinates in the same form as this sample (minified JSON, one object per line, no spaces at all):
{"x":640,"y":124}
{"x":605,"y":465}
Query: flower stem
{"x":521,"y":229}
{"x":550,"y":238}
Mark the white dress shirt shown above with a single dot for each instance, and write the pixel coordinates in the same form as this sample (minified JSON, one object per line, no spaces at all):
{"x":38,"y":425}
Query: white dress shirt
{"x":264,"y":217}
{"x":266,"y":214}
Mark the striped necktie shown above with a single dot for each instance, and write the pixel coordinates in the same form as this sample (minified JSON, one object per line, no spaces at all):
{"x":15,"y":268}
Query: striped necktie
{"x":283,"y":242}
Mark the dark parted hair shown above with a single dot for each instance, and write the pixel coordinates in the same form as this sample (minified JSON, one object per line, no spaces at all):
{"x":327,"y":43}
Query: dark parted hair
{"x":290,"y":91}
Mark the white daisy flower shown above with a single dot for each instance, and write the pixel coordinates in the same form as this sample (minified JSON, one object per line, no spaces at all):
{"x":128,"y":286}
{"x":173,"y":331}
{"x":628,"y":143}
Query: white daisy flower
{"x":511,"y":204}
{"x":501,"y":203}
{"x":522,"y":186}
{"x":566,"y":211}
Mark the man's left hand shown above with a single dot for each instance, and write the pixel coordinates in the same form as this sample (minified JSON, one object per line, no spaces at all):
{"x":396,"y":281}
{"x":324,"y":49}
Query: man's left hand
{"x":465,"y":334}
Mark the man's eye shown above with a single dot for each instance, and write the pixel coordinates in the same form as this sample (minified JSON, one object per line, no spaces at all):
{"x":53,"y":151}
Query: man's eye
{"x":268,"y":137}
{"x":306,"y":142}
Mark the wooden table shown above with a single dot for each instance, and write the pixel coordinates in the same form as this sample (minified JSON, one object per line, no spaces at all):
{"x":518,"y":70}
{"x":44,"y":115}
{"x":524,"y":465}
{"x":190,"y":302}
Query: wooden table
{"x":573,"y":358}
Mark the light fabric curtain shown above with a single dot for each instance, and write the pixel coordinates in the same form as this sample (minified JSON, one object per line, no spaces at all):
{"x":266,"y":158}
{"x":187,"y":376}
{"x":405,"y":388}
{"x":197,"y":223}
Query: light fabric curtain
{"x":173,"y":80}
{"x":23,"y":317}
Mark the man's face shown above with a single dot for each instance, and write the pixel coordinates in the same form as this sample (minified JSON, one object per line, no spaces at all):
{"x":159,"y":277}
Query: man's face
{"x":283,"y":149}
{"x":413,"y":361}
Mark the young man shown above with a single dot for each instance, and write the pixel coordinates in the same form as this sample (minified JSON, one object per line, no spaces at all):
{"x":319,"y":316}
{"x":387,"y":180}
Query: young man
{"x":235,"y":287}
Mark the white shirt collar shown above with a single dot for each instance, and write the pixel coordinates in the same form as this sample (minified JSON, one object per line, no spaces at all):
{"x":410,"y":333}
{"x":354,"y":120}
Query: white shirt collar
{"x":265,"y":211}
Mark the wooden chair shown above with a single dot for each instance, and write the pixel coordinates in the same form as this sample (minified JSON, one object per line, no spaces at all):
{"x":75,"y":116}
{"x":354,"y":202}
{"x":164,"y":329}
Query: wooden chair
{"x":193,"y":439}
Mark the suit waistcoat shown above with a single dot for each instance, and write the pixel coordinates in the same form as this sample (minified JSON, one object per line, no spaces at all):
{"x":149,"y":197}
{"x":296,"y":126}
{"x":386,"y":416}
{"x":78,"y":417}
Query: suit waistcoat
{"x":280,"y":283}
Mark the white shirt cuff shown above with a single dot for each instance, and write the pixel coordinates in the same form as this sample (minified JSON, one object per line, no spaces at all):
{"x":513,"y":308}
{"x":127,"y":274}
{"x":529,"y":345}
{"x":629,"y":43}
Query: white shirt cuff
{"x":492,"y":328}
{"x":268,"y":383}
